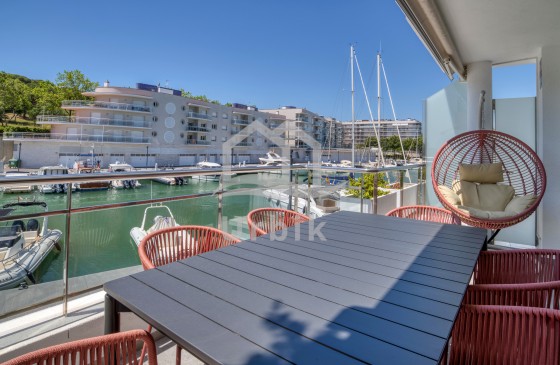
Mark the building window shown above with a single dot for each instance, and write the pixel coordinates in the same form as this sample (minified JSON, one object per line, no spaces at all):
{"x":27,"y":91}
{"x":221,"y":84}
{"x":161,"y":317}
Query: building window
{"x":203,"y":138}
{"x":225,"y":116}
{"x":156,"y":104}
{"x":214,"y":114}
{"x":214,"y":126}
{"x":224,"y":127}
{"x":223,"y":139}
{"x":154,"y":118}
{"x":213,"y":138}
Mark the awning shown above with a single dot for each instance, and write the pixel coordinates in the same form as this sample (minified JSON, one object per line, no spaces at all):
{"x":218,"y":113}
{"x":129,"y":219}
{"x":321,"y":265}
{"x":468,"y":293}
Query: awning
{"x":425,"y":18}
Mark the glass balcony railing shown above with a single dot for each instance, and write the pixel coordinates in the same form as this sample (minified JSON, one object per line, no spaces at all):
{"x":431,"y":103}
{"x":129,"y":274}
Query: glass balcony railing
{"x":70,"y":104}
{"x":11,"y":136}
{"x":194,"y":115}
{"x":92,"y":121}
{"x":194,"y":128}
{"x":197,"y":142}
{"x":240,"y":121}
{"x":97,"y":230}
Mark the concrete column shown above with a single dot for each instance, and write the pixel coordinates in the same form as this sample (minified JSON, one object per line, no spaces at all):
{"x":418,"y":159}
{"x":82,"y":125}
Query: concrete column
{"x":548,"y":131}
{"x":479,"y":77}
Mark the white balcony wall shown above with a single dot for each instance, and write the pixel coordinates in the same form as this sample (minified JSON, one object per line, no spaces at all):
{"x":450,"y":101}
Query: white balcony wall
{"x":517,"y":117}
{"x":445,"y":116}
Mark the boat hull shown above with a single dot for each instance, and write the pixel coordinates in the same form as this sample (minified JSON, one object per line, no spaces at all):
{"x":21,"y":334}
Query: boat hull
{"x":27,"y":260}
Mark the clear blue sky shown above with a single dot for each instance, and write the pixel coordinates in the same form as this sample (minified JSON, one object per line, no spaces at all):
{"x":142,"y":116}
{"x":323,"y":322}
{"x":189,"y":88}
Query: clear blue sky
{"x":267,"y":53}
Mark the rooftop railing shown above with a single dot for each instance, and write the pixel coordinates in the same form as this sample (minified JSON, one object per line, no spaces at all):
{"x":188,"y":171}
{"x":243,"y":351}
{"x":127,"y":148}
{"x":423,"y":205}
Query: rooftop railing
{"x":92,"y":121}
{"x":11,"y":136}
{"x":94,"y":231}
{"x":105,"y":105}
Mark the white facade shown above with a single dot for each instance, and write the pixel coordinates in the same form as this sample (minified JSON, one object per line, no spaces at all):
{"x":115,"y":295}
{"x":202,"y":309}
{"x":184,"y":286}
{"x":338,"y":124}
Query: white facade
{"x":409,"y":128}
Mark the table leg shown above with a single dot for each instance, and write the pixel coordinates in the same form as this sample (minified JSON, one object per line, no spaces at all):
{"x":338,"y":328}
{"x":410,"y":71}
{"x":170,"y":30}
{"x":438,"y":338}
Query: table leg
{"x":111,"y":315}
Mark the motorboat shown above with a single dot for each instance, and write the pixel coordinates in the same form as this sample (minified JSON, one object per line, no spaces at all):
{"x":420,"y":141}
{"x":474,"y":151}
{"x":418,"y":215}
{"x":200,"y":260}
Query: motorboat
{"x":82,"y":168}
{"x":170,"y":180}
{"x":211,"y":177}
{"x":322,"y":199}
{"x":24,"y":245}
{"x":274,"y":159}
{"x":17,"y":188}
{"x":123,"y":184}
{"x":160,"y":221}
{"x":52,"y":171}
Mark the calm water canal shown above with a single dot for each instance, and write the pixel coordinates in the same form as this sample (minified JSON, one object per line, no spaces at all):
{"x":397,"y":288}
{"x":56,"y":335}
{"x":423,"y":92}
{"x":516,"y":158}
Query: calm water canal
{"x":100,"y":241}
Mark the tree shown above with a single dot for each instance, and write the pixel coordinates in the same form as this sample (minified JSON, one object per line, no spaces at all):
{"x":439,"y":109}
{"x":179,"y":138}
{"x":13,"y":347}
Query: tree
{"x":15,"y":96}
{"x":368,"y":185}
{"x":73,"y":83}
{"x":47,"y":99}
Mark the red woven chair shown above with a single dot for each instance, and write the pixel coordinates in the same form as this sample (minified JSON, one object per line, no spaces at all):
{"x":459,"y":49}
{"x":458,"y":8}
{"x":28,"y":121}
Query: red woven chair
{"x":117,"y":348}
{"x":523,"y":170}
{"x":517,"y":267}
{"x":540,"y":295}
{"x":505,"y":335}
{"x":425,"y":213}
{"x":177,"y":243}
{"x":265,"y":220}
{"x":171,"y":244}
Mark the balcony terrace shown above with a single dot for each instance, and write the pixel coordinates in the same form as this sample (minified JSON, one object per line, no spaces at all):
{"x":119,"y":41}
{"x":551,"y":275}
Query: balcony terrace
{"x":197,"y":142}
{"x":195,"y":128}
{"x":89,"y":104}
{"x":55,"y":137}
{"x":93,"y":121}
{"x":239,"y":121}
{"x":202,"y":116}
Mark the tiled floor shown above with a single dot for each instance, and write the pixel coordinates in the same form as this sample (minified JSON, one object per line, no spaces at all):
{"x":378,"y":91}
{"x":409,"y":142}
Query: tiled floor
{"x":166,"y":354}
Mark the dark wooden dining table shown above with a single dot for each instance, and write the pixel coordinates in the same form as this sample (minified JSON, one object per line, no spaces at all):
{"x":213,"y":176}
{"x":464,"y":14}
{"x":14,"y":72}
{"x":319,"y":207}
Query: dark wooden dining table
{"x":341,"y":289}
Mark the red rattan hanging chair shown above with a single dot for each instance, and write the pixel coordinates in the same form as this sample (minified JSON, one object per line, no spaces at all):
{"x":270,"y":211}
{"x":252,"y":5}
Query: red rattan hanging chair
{"x":522,"y":170}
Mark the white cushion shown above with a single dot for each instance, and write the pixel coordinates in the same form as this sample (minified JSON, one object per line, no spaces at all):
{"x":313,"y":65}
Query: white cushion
{"x":493,"y":197}
{"x":449,"y":195}
{"x":518,"y":204}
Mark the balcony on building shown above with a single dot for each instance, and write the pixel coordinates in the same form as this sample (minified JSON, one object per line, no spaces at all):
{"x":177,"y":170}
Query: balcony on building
{"x":93,"y":104}
{"x":195,"y":128}
{"x":112,"y":122}
{"x":61,"y":137}
{"x":240,"y":121}
{"x":197,"y":142}
{"x":195,"y":115}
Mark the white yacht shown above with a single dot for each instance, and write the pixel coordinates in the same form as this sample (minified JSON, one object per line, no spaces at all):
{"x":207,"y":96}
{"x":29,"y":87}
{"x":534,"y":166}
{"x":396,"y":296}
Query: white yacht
{"x":24,"y":245}
{"x":274,"y":159}
{"x":323,"y":200}
{"x":123,"y":184}
{"x":209,"y":165}
{"x":50,"y":171}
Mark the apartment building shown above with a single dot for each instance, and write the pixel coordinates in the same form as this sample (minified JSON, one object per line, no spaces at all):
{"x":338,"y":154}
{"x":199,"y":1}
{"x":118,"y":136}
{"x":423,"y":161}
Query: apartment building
{"x":143,"y":126}
{"x":409,"y":128}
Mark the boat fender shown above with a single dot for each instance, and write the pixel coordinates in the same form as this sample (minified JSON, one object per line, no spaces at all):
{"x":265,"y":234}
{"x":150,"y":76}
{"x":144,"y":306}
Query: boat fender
{"x":126,"y":184}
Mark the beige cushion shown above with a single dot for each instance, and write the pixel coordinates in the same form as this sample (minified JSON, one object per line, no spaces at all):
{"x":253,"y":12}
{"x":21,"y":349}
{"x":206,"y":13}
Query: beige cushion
{"x":449,"y":195}
{"x":519,"y":203}
{"x":484,"y":214}
{"x":467,"y":193}
{"x":493,"y":197}
{"x":486,"y":173}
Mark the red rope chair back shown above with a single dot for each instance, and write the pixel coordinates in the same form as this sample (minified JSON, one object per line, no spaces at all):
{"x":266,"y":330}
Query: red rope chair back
{"x":177,"y":243}
{"x":118,"y":348}
{"x":425,"y":213}
{"x":517,"y":266}
{"x":540,"y":295}
{"x":266,"y":220}
{"x":523,"y":170}
{"x":505,"y":335}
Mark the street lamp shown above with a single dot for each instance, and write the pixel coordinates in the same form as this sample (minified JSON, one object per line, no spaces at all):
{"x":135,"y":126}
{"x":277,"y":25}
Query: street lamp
{"x":19,"y":156}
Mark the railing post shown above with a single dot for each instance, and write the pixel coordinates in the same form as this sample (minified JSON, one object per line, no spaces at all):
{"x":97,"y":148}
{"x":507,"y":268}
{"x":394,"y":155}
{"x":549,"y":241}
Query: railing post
{"x":401,"y":188}
{"x":362,"y":193}
{"x":220,"y":201}
{"x":374,"y":198}
{"x":296,"y":192}
{"x":66,"y":249}
{"x":419,"y":186}
{"x":309,"y":176}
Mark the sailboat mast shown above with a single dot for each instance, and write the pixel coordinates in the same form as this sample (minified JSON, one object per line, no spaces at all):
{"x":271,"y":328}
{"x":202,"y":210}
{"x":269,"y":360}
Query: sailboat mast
{"x":378,"y":89}
{"x":353,"y":115}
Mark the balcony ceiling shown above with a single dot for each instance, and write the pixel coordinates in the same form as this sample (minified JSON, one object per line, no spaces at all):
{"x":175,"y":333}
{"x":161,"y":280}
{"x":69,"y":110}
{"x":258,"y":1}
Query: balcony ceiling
{"x":500,"y":30}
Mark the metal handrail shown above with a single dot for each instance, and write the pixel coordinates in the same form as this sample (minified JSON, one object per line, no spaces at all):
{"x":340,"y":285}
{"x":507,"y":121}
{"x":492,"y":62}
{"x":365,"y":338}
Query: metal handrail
{"x":106,"y":105}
